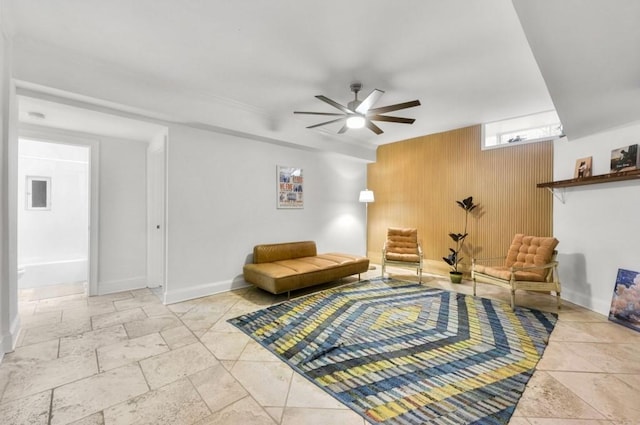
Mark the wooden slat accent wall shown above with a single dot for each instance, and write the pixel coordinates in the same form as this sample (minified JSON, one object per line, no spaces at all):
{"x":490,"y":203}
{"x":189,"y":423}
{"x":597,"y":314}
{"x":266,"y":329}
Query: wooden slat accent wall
{"x":416,"y":183}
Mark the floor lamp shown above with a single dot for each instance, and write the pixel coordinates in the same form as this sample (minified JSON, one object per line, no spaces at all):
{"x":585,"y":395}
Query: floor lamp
{"x":366,"y":196}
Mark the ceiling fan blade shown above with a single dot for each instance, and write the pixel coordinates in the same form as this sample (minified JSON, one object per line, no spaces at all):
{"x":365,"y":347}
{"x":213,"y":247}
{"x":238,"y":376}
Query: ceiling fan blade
{"x":325,"y":123}
{"x":392,"y":119}
{"x":343,"y":129}
{"x":334,"y":114}
{"x":395,"y":107}
{"x":369,"y":101}
{"x":371,"y":126}
{"x":335,"y":104}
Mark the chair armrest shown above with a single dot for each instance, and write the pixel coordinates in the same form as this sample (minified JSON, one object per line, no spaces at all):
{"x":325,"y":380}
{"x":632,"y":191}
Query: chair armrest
{"x":420,"y":253}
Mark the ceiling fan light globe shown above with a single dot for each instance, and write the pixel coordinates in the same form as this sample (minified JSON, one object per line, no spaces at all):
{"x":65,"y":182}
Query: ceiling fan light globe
{"x":355,"y":121}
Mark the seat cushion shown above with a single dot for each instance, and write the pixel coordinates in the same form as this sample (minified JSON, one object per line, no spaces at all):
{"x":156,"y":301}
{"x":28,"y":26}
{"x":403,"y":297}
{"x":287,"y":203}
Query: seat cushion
{"x":503,"y":272}
{"x":402,"y":244}
{"x":410,"y":258}
{"x":530,"y":251}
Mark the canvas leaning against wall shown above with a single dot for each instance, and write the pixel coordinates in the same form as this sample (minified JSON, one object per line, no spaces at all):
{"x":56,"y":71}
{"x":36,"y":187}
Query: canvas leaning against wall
{"x":625,"y":304}
{"x":290,"y":181}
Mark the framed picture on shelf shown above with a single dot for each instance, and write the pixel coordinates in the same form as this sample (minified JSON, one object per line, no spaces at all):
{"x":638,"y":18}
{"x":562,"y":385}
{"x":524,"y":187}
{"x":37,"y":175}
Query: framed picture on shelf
{"x":583,"y":168}
{"x":290,"y":181}
{"x":624,"y":159}
{"x":625,"y":303}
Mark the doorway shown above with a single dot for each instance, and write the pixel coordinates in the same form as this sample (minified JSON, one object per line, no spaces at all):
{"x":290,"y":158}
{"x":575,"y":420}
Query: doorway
{"x":54,"y":193}
{"x":121,"y":239}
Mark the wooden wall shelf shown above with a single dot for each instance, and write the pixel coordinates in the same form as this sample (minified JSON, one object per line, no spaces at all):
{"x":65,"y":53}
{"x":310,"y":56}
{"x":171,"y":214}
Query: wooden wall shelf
{"x":584,"y":181}
{"x":603,"y":178}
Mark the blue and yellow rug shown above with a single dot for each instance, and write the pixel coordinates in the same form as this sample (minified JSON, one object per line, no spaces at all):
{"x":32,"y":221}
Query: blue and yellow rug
{"x":401,"y":353}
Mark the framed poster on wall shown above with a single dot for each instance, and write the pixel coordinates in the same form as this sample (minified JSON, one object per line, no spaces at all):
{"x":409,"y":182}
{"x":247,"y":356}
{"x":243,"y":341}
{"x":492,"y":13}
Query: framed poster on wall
{"x":290,"y":187}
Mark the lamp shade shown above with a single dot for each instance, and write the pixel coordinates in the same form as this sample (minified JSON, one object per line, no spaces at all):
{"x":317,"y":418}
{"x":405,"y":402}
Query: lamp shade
{"x":366,"y":196}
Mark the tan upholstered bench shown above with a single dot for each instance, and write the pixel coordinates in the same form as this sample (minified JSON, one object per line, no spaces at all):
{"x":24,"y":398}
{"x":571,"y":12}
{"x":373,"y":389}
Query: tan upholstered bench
{"x":284,"y":267}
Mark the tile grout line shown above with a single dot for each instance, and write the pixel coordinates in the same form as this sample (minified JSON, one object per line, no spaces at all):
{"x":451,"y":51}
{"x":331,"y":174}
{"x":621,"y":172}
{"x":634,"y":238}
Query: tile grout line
{"x":199,"y":394}
{"x":50,"y":408}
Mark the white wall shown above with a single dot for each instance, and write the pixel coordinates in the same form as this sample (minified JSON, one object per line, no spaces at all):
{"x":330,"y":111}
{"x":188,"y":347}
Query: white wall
{"x":222,"y":202}
{"x":597,"y":224}
{"x":220,"y":188}
{"x":53,"y":243}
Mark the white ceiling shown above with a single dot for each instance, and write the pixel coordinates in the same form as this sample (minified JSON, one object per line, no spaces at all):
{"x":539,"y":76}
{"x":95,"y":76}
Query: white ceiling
{"x":468,"y":62}
{"x":589,"y":54}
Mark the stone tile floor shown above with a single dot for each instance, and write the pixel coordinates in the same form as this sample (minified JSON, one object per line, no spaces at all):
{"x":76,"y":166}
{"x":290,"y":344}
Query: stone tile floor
{"x":127,"y":359}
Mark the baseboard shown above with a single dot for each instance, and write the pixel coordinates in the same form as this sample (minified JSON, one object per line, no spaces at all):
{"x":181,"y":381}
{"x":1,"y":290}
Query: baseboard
{"x":202,"y":290}
{"x":36,"y":275}
{"x":122,"y":285}
{"x":593,"y":304}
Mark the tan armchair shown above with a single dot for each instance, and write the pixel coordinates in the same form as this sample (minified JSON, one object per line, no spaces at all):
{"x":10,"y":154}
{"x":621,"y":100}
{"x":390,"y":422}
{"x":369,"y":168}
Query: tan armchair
{"x":530,"y":265}
{"x":402,"y":249}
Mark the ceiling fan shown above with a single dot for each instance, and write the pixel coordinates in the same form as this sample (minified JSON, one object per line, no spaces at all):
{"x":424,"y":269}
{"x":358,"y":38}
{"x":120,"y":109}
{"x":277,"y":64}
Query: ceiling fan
{"x":358,"y":113}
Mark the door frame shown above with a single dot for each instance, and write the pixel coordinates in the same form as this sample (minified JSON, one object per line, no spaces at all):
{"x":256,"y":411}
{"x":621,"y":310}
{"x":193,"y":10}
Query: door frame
{"x":51,"y":135}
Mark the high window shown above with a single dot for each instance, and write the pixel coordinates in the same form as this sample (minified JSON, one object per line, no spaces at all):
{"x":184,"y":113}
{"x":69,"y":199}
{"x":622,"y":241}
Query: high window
{"x":527,"y":129}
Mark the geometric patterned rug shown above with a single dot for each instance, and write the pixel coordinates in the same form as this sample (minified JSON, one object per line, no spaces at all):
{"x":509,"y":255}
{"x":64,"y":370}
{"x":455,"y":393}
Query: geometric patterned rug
{"x":401,"y":353}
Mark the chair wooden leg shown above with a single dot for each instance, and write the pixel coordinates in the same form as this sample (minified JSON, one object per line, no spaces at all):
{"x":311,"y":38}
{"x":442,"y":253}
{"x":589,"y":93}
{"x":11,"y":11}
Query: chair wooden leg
{"x":558,"y":300}
{"x":382,"y":273}
{"x":513,"y":299}
{"x":474,"y":286}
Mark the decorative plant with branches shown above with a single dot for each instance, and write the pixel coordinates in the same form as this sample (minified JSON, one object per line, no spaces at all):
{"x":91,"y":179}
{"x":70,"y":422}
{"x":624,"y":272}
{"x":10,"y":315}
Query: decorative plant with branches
{"x":453,"y":259}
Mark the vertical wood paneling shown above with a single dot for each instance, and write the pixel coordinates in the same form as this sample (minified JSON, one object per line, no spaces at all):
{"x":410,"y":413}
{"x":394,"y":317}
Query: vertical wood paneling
{"x":416,"y":183}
